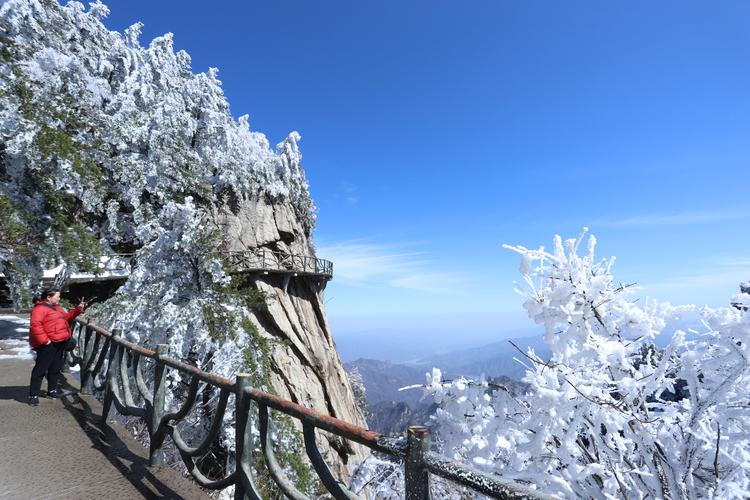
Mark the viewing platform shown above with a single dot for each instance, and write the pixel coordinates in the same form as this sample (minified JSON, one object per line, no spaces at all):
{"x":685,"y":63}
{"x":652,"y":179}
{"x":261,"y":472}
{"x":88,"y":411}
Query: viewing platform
{"x":115,"y":270}
{"x":267,"y":261}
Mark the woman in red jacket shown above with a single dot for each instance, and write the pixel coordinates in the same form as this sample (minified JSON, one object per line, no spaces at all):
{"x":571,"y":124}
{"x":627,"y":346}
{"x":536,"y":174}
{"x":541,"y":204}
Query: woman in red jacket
{"x":48,"y":335}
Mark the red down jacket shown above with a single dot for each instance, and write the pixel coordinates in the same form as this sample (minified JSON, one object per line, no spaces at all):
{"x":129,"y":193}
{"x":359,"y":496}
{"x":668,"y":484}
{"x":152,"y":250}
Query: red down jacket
{"x":50,"y":324}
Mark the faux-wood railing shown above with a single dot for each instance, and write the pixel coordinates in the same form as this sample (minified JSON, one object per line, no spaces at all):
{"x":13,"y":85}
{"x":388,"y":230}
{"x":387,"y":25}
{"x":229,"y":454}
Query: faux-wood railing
{"x":125,"y":361}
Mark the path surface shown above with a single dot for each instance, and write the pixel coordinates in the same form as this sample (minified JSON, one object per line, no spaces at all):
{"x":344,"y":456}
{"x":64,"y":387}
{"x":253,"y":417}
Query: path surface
{"x":60,"y":449}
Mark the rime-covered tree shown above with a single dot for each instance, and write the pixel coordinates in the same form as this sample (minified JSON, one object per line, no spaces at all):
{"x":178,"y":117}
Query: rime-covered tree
{"x":100,"y":135}
{"x":609,"y":413}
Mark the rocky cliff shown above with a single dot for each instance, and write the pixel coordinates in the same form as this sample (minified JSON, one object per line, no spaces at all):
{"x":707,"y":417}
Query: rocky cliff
{"x":304,"y":365}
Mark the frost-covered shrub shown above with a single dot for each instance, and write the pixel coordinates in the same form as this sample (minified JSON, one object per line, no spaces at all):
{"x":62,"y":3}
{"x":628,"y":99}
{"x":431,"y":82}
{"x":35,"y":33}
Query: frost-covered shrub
{"x":359,"y":390}
{"x":609,"y":414}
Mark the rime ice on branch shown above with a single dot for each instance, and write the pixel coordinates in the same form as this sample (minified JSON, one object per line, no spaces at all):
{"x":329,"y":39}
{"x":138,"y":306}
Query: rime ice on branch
{"x":610,"y":413}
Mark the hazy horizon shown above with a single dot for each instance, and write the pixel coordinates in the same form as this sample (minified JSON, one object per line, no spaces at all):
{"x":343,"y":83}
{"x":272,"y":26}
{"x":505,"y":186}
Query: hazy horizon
{"x":404,"y":339}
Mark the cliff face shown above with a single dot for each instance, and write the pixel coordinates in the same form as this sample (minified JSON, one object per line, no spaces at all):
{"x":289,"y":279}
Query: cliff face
{"x":305,"y":367}
{"x":258,"y":223}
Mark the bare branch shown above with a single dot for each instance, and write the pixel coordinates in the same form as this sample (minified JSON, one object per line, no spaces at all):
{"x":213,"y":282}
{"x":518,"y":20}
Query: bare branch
{"x":538,"y":361}
{"x":716,"y":456}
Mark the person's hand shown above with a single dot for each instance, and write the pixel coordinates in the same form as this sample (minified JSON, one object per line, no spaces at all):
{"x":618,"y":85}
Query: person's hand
{"x":82,"y":303}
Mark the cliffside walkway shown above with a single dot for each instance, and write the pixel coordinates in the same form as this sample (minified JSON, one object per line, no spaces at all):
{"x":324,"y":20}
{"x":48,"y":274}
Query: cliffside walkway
{"x":61,"y":450}
{"x":116,"y":268}
{"x":267,"y":261}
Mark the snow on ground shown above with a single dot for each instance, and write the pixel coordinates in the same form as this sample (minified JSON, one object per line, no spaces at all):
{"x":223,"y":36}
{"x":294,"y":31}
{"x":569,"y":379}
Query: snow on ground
{"x":14,"y":335}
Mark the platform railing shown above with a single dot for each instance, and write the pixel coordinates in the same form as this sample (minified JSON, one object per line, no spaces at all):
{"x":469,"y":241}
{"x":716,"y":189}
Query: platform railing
{"x":263,"y":259}
{"x":108,"y":363}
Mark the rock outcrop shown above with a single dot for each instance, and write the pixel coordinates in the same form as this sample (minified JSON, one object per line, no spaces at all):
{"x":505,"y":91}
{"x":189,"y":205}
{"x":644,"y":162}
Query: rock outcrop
{"x":305,"y":367}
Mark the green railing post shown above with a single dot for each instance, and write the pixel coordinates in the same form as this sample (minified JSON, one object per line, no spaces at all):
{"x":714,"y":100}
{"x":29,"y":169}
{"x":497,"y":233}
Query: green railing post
{"x":241,"y":407}
{"x":416,"y":477}
{"x":111,"y":375}
{"x":67,"y":356}
{"x":87,"y":380}
{"x":156,"y":456}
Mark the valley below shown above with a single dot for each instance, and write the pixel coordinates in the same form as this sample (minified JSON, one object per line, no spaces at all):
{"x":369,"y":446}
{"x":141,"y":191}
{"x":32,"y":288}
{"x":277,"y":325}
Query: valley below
{"x":391,"y":409}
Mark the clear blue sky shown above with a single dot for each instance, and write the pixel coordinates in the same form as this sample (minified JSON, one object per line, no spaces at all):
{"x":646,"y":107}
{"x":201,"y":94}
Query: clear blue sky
{"x":433,"y":132}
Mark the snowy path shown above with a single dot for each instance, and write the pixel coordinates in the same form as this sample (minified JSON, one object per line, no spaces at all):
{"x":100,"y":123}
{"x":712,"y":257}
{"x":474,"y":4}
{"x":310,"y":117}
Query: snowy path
{"x":14,"y":334}
{"x":59,"y":450}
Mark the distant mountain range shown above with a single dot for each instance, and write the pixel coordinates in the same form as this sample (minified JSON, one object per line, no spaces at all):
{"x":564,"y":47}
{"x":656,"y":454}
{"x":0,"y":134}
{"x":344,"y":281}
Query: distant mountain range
{"x":407,"y":339}
{"x":502,"y":358}
{"x":498,"y":359}
{"x":392,"y":418}
{"x":391,"y":410}
{"x":383,"y":379}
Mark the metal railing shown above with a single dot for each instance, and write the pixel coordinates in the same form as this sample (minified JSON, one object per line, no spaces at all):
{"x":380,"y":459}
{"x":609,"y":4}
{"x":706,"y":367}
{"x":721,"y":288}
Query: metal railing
{"x":125,"y":360}
{"x":263,"y":259}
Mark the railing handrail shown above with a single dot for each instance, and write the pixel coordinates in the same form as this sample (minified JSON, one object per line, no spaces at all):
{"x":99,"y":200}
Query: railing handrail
{"x":419,"y":461}
{"x":319,"y":267}
{"x":334,"y":425}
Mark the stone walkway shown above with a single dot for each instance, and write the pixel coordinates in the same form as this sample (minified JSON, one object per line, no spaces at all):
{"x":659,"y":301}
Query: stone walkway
{"x":60,"y":449}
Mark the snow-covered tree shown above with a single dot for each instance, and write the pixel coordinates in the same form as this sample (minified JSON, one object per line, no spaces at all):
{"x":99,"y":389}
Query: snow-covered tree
{"x":107,"y":146}
{"x":610,"y":414}
{"x":98,"y":134}
{"x":358,"y":387}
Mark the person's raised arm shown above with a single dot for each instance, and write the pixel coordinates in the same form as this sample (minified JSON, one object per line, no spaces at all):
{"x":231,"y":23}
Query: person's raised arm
{"x":80,"y":308}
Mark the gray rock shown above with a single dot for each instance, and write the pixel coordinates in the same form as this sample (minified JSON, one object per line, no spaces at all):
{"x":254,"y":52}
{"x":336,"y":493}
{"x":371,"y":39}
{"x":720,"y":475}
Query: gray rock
{"x":305,"y":366}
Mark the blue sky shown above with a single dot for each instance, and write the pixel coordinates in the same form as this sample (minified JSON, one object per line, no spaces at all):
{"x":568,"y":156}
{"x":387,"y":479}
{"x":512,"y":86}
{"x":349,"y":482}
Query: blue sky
{"x":433,"y":132}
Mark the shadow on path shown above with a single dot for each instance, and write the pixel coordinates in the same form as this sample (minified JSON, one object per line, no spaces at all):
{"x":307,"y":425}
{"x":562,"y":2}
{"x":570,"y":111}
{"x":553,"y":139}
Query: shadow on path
{"x":134,"y":467}
{"x":18,"y":393}
{"x":99,"y":465}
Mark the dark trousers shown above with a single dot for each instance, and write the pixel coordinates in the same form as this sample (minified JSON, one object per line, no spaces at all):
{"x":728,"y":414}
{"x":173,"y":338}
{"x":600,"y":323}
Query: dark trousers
{"x":49,"y":363}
